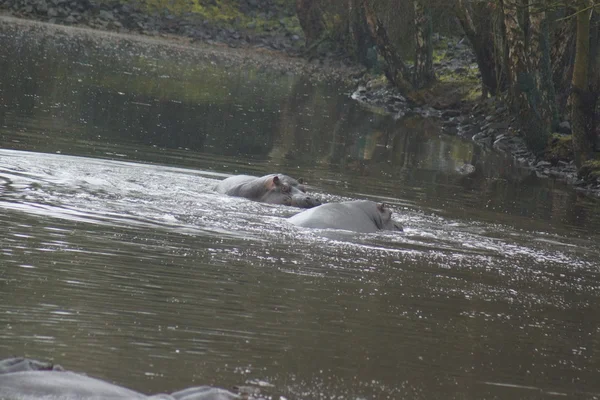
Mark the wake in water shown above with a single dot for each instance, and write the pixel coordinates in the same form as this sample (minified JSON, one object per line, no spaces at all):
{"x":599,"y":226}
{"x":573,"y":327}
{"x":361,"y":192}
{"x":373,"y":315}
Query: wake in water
{"x":109,"y":230}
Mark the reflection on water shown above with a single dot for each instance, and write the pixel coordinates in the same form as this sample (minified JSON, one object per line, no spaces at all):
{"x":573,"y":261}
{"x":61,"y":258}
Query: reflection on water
{"x":136,"y":271}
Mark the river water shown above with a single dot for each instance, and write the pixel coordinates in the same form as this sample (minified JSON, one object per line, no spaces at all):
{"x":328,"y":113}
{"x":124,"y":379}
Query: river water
{"x":118,"y":259}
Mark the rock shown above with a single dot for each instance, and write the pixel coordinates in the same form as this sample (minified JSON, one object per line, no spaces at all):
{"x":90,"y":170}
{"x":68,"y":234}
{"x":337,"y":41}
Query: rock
{"x":502,"y":144}
{"x":106,"y":15}
{"x":541,"y":175}
{"x":465,"y":169}
{"x":564,"y":127}
{"x":450,"y":113}
{"x":41,"y":7}
{"x":502,"y":125}
{"x":480,"y":136}
{"x":52,"y":12}
{"x":543,"y":164}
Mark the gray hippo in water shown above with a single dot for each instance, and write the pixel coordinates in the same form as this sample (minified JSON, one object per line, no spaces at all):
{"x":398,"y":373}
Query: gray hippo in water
{"x":24,"y":379}
{"x":358,"y":216}
{"x":272,"y":189}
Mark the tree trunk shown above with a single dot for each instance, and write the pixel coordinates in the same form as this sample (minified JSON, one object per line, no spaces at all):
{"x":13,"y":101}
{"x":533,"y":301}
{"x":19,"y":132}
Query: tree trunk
{"x":423,"y":72}
{"x":493,"y":78}
{"x":541,"y":98}
{"x":361,"y":40}
{"x":582,"y":113}
{"x":516,"y":57}
{"x":527,"y":96}
{"x":395,"y":69}
{"x":563,"y":56}
{"x":595,"y":78}
{"x":311,"y":20}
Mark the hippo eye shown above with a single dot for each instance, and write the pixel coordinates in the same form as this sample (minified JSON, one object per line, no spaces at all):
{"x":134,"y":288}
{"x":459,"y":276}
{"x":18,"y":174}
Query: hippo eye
{"x":285,"y":188}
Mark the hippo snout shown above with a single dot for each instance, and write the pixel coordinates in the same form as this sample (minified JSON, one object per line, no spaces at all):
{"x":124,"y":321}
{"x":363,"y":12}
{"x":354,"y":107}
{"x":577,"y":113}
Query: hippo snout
{"x":304,"y":201}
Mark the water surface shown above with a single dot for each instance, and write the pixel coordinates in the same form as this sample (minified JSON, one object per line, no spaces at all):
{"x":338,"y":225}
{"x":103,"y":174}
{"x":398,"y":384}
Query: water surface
{"x":118,"y":259}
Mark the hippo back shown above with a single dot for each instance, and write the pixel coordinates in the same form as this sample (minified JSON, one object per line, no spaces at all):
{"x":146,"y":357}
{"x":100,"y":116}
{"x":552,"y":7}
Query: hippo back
{"x":273,"y":189}
{"x":60,"y":385}
{"x":359,"y":216}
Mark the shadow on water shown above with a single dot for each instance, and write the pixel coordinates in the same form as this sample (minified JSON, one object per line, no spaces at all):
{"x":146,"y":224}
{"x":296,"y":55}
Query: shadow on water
{"x":125,"y":264}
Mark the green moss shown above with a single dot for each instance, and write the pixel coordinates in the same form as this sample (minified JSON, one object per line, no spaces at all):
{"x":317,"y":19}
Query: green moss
{"x":559,"y":148}
{"x":225,"y":13}
{"x":590,"y":170}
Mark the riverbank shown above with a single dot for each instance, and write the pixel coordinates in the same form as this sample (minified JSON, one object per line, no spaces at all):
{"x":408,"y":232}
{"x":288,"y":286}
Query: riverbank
{"x":260,"y":24}
{"x":260,"y":58}
{"x":456,"y":100}
{"x":488,"y":123}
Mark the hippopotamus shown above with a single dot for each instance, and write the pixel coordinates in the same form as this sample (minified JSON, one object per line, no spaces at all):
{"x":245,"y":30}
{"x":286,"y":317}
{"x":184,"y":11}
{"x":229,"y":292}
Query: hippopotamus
{"x":24,"y":379}
{"x":363,"y":216}
{"x":272,"y":189}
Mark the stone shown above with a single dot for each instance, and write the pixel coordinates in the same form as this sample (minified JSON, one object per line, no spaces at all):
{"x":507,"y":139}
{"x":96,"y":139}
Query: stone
{"x":543,"y":164}
{"x":70,"y":19}
{"x":450,"y":113}
{"x":480,"y":136}
{"x":41,"y":7}
{"x":564,"y":127}
{"x":502,"y":125}
{"x":52,"y":12}
{"x":465,"y":169}
{"x":106,"y":15}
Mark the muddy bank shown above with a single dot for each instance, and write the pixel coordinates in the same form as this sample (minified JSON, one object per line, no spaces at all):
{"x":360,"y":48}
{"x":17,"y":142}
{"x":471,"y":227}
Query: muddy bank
{"x":261,"y":24}
{"x":182,"y":48}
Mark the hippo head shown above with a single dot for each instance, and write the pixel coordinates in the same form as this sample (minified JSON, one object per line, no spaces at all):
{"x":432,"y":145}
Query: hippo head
{"x":304,"y":201}
{"x":288,"y":191}
{"x":386,"y":219}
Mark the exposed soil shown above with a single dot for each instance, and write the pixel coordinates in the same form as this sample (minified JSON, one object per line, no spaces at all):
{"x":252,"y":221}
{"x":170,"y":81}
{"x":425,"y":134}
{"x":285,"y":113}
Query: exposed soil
{"x":216,"y":52}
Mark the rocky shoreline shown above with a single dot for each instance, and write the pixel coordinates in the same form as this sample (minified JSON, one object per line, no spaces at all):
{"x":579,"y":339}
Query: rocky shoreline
{"x":488,"y":123}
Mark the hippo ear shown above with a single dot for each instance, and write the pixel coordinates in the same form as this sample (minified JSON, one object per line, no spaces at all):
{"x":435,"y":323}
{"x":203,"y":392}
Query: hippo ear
{"x":381,"y":207}
{"x":276,"y":180}
{"x":301,"y":181}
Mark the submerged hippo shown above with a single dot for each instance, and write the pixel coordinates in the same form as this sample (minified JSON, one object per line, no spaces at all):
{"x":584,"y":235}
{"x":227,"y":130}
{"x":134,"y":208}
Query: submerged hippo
{"x":272,"y":189}
{"x":358,"y":216}
{"x":23,"y":379}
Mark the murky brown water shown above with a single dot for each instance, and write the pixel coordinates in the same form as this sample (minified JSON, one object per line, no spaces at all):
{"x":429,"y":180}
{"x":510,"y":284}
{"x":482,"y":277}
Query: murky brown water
{"x":118,"y":259}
